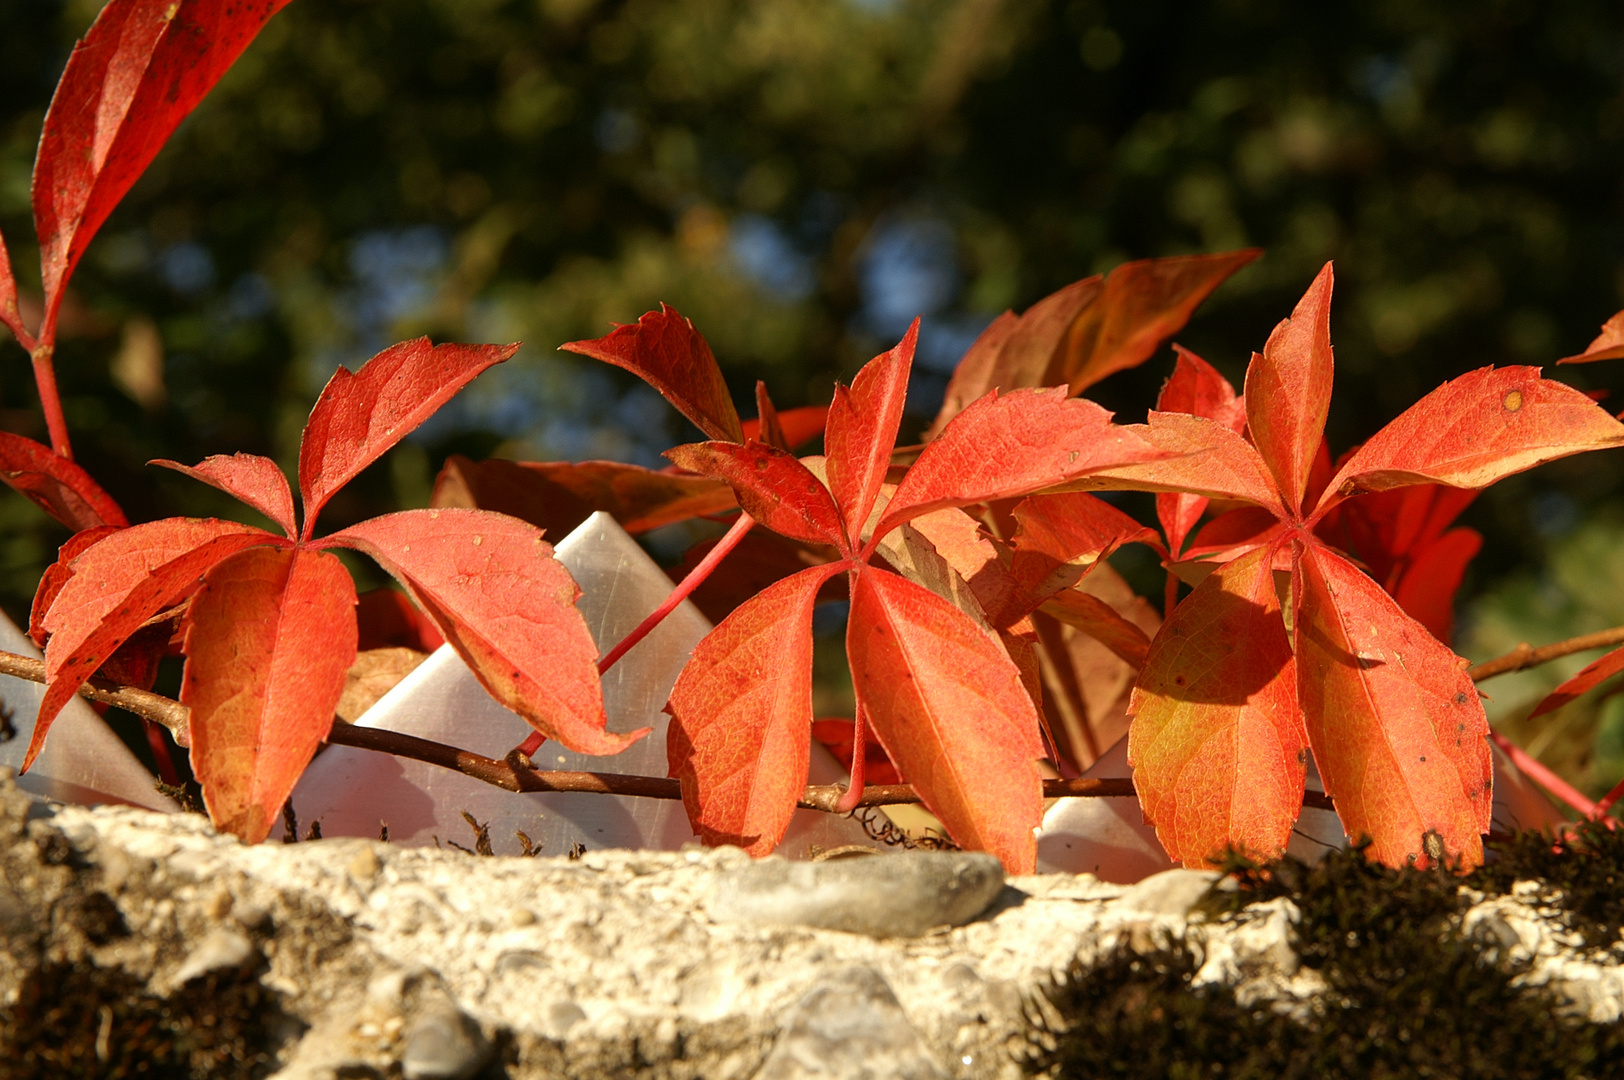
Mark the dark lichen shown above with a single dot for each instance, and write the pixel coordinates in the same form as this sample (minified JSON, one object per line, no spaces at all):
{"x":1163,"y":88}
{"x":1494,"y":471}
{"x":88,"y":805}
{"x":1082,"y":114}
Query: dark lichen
{"x":1407,"y":994}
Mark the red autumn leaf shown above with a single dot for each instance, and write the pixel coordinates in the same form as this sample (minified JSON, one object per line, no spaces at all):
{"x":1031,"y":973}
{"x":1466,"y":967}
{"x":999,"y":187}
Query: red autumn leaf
{"x":839,"y":736}
{"x":767,"y":426}
{"x":1427,"y":590}
{"x":800,"y":426}
{"x":141,"y":68}
{"x":1196,"y":388}
{"x":269,"y":637}
{"x":772,"y":486}
{"x":1386,"y":529}
{"x":1101,"y":622}
{"x":358,"y":417}
{"x":741,"y":716}
{"x":862,"y":430}
{"x":257,"y":481}
{"x":665,"y":351}
{"x":10,"y":317}
{"x":1396,"y":723}
{"x":385,"y":618}
{"x":1059,"y":538}
{"x":1609,"y":344}
{"x":1014,"y":444}
{"x":1474,"y":430}
{"x":1589,"y":677}
{"x":757,"y":561}
{"x":1231,"y":535}
{"x":117,"y":585}
{"x":559,"y":495}
{"x":948,"y":706}
{"x":1288,"y":391}
{"x":1194,"y":455}
{"x":1142,"y":304}
{"x":1217,"y":739}
{"x":56,"y":485}
{"x":56,"y":576}
{"x":492,"y":586}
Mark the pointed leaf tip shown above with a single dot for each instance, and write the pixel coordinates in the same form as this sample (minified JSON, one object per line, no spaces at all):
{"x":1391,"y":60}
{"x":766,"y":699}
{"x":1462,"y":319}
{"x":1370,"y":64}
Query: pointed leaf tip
{"x":56,"y":485}
{"x":862,"y":430}
{"x":1288,"y":391}
{"x":664,"y":350}
{"x":1609,"y":344}
{"x":257,"y":481}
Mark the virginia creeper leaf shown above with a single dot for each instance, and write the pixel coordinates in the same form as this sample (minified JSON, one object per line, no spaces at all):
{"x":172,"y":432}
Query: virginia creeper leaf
{"x":56,"y":576}
{"x":1100,"y":621}
{"x":10,"y":317}
{"x":1233,"y":534}
{"x":1474,"y":430}
{"x":665,"y":351}
{"x":56,"y":485}
{"x":1142,"y":304}
{"x":1059,"y":538}
{"x":269,"y":637}
{"x":772,"y":486}
{"x":948,"y":706}
{"x":1396,"y":724}
{"x":1609,"y":344}
{"x":757,"y":561}
{"x":558,"y":495}
{"x":741,"y":717}
{"x":768,"y":428}
{"x":507,"y":606}
{"x":117,"y":585}
{"x":1014,"y":444}
{"x":1288,"y":391}
{"x":1217,"y":739}
{"x":358,"y":417}
{"x":1427,"y":590}
{"x":1195,"y":455}
{"x":257,"y":481}
{"x":1589,"y":677}
{"x":136,"y":74}
{"x":862,"y":430}
{"x":1196,"y":388}
{"x":800,"y":426}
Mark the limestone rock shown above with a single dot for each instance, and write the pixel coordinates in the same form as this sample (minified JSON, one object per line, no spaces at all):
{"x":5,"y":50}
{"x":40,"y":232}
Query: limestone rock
{"x":849,"y":1027}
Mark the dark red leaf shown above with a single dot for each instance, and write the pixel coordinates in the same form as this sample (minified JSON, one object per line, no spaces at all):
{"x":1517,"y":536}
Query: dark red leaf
{"x":1014,"y":444}
{"x":768,"y":428}
{"x":1591,"y":676}
{"x":1396,"y":724}
{"x":758,"y":560}
{"x":1288,"y":391}
{"x":10,"y":317}
{"x":665,"y":351}
{"x":800,"y":426}
{"x":1229,"y":536}
{"x":269,"y":637}
{"x":1217,"y":739}
{"x":358,"y":417}
{"x":838,"y":736}
{"x":141,"y":68}
{"x":56,"y":485}
{"x":257,"y":481}
{"x":773,"y":487}
{"x":862,"y":431}
{"x":741,"y":717}
{"x":949,"y":707}
{"x":559,"y":495}
{"x":386,"y":619}
{"x":507,"y":606}
{"x":1427,"y":590}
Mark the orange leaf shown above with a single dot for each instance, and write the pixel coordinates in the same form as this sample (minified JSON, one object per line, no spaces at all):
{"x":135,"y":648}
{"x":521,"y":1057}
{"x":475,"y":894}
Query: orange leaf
{"x":1101,"y":622}
{"x":1142,"y":304}
{"x":1474,"y":430}
{"x":1217,"y":739}
{"x":1195,"y":455}
{"x":56,"y":485}
{"x":507,"y":606}
{"x":1396,"y":724}
{"x":741,"y":717}
{"x":665,"y":351}
{"x":1014,"y":444}
{"x":558,"y":495}
{"x":1609,"y":344}
{"x":862,"y":430}
{"x":358,"y":417}
{"x":772,"y":486}
{"x":56,"y":576}
{"x":1196,"y":388}
{"x":257,"y":481}
{"x":137,"y":73}
{"x":1590,"y":676}
{"x":269,"y":637}
{"x":948,"y":706}
{"x":1288,"y":391}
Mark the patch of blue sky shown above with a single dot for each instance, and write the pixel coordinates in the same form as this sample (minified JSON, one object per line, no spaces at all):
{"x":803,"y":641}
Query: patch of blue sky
{"x":765,"y":254}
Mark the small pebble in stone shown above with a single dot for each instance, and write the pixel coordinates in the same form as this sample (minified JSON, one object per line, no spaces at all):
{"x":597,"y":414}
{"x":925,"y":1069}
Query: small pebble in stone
{"x":561,"y":1016}
{"x":901,"y":895}
{"x":364,"y":866}
{"x":443,"y":1044}
{"x":220,"y":948}
{"x":1171,"y":892}
{"x":521,"y":917}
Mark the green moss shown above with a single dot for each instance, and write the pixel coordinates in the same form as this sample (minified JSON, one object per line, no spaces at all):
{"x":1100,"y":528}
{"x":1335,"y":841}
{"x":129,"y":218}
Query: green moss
{"x":1407,"y":994}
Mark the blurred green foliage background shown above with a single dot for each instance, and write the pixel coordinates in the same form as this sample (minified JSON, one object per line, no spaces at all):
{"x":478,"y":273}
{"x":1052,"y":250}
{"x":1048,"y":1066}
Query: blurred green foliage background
{"x":802,"y":177}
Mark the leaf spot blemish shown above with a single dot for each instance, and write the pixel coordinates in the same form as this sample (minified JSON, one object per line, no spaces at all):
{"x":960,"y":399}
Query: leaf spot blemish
{"x":478,"y":540}
{"x":1512,"y":401}
{"x":1423,"y":757}
{"x":1071,"y":456}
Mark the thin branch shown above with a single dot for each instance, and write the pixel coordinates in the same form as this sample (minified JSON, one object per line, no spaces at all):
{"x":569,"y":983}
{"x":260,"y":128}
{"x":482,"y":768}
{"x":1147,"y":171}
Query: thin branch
{"x":1523,"y":657}
{"x":510,"y":774}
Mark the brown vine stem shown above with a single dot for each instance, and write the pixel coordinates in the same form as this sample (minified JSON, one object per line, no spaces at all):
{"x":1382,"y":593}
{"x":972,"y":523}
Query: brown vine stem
{"x":1524,"y":657}
{"x":513,"y":772}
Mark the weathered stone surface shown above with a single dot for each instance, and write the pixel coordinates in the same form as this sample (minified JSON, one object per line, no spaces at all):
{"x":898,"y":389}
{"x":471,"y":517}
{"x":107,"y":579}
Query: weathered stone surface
{"x":903,"y":895}
{"x":370,"y":959}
